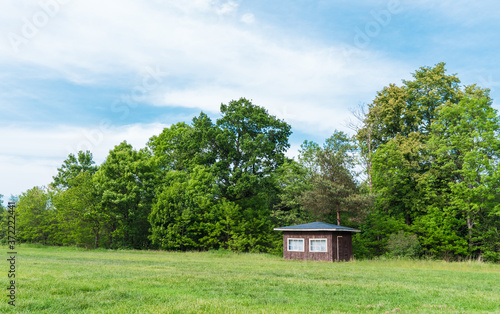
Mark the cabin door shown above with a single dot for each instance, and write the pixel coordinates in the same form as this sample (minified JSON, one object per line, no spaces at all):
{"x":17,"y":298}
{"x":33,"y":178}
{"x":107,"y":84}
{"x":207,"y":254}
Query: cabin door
{"x":342,"y":249}
{"x":339,"y":250}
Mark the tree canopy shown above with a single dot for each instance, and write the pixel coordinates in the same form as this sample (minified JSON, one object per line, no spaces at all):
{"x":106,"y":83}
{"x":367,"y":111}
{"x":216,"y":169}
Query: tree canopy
{"x":429,"y":150}
{"x":434,"y":157}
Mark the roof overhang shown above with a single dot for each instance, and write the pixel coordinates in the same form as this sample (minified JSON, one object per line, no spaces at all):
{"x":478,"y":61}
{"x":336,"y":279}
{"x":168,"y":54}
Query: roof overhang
{"x":298,"y":230}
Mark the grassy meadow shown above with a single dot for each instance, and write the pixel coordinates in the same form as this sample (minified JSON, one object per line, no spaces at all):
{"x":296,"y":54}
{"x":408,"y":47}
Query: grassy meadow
{"x":62,"y":280}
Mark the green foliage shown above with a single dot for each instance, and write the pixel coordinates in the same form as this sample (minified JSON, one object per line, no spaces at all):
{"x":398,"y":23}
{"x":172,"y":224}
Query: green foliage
{"x":431,"y":150}
{"x":76,"y":217}
{"x":79,"y":216}
{"x":375,"y":232}
{"x":403,"y":244}
{"x":126,"y":183}
{"x":180,"y":147}
{"x":465,"y":150}
{"x":434,"y":162}
{"x":440,"y":233}
{"x":411,"y":108}
{"x":249,"y":145}
{"x":186,"y":214}
{"x":73,"y":166}
{"x":35,"y":216}
{"x":292,"y":182}
{"x":3,"y":220}
{"x":242,"y":150}
{"x":332,"y":179}
{"x":308,"y":157}
{"x":252,"y":231}
{"x":397,"y":170}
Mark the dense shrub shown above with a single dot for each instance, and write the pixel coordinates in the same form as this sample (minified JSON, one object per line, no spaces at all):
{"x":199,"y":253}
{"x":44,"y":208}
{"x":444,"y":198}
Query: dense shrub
{"x":403,"y":244}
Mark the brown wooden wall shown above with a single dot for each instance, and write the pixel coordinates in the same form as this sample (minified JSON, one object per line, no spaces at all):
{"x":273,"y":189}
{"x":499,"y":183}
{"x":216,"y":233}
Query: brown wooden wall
{"x":344,"y":241}
{"x":345,"y":246}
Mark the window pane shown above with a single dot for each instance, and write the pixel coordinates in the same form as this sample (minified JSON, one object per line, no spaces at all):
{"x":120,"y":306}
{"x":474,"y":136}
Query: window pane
{"x":317,"y":245}
{"x":295,"y":244}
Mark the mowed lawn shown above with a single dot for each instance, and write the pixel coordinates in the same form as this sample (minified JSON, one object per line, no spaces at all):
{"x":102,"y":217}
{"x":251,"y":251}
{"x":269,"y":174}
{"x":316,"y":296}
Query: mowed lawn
{"x":52,"y":280}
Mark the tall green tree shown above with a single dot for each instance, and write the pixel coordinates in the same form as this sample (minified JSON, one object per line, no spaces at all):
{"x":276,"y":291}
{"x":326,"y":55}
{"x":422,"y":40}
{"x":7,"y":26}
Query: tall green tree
{"x":417,"y":171}
{"x":249,"y":146}
{"x":242,"y":149}
{"x":186,"y":214}
{"x":400,"y":122}
{"x":464,"y":180}
{"x":292,"y":181}
{"x":334,"y":187}
{"x":35,"y":219}
{"x":409,"y":109}
{"x":79,"y":215}
{"x":72,"y":167}
{"x":126,"y":181}
{"x":182,"y":146}
{"x":398,"y":167}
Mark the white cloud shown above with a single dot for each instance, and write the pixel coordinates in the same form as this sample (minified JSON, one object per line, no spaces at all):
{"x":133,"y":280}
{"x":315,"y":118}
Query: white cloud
{"x":227,"y":8}
{"x":184,"y":40}
{"x":310,"y":88}
{"x":248,"y":18}
{"x":198,"y":43}
{"x":31,"y":156}
{"x":209,"y":57}
{"x":20,"y":174}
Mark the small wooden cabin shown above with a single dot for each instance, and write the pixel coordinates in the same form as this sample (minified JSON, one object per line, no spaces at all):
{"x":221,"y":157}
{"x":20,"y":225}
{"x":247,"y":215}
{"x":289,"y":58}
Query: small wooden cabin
{"x":317,"y":241}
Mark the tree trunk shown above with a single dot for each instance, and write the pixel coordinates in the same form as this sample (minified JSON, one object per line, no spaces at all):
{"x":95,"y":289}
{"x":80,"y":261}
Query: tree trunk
{"x":96,"y":240}
{"x":338,"y":215}
{"x":470,"y":225}
{"x":370,"y":160}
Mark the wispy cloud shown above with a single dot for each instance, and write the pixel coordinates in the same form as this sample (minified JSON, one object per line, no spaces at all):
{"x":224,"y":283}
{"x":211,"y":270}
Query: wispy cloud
{"x":31,"y":156}
{"x":80,"y":61}
{"x":213,"y":56}
{"x":248,"y":18}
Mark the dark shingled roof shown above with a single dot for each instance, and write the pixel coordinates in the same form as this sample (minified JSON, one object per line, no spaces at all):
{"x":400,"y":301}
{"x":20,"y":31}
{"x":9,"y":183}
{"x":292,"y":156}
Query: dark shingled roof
{"x":316,"y":226}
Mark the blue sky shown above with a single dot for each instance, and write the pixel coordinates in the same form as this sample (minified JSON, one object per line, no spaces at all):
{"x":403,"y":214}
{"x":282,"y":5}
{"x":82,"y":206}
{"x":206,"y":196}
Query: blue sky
{"x":89,"y":74}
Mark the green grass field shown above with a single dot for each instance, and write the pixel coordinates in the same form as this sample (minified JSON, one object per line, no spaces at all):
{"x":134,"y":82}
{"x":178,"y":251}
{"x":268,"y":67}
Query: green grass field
{"x":52,"y":280}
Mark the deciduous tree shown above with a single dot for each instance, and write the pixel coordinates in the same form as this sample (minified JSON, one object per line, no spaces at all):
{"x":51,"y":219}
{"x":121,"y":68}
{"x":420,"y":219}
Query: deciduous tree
{"x":79,"y":215}
{"x":465,"y":150}
{"x":35,"y":219}
{"x":334,"y":188}
{"x":126,"y":181}
{"x":72,"y":167}
{"x":187,"y":212}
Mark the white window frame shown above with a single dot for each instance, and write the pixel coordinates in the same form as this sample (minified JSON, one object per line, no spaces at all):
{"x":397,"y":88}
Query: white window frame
{"x":288,"y":245}
{"x":318,"y":239}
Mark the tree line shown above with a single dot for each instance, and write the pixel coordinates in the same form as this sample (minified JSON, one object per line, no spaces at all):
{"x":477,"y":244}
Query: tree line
{"x":419,"y":176}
